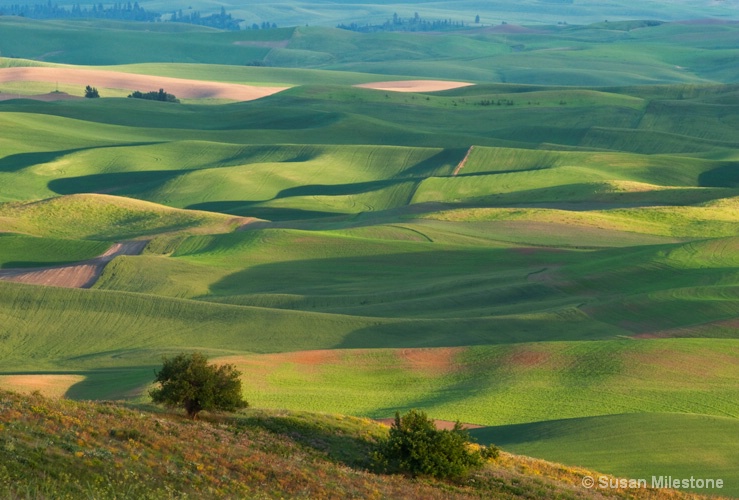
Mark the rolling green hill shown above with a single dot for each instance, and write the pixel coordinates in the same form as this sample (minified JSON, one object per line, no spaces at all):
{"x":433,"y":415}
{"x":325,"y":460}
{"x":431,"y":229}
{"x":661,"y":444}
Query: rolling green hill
{"x":605,"y":54}
{"x":643,"y":445}
{"x":551,"y":253}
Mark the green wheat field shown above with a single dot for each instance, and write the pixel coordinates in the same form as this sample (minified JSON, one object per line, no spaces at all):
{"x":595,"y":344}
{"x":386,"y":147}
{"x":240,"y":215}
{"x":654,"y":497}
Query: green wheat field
{"x":551,"y":252}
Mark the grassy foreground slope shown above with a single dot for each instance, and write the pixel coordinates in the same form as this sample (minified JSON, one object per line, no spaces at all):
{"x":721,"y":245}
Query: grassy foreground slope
{"x":65,"y":449}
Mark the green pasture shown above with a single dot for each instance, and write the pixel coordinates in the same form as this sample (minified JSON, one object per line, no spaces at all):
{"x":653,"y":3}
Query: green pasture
{"x":100,"y":328}
{"x":442,"y":270}
{"x":323,"y":13}
{"x":27,"y":251}
{"x":605,"y":54}
{"x":249,"y":75}
{"x":612,"y":120}
{"x":551,"y":253}
{"x":102,"y":217}
{"x":632,"y":445}
{"x":504,"y":384}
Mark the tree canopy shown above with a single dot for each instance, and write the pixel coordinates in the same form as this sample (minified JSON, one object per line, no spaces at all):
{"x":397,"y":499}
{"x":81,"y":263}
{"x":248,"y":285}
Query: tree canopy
{"x":91,"y":92}
{"x":188,"y":381}
{"x":154,"y":96}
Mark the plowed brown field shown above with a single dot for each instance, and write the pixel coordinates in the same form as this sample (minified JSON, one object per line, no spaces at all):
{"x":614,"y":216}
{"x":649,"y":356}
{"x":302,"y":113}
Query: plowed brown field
{"x":188,"y":89}
{"x":78,"y":275}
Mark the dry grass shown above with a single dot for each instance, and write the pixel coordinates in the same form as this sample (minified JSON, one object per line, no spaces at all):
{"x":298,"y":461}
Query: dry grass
{"x":66,"y":449}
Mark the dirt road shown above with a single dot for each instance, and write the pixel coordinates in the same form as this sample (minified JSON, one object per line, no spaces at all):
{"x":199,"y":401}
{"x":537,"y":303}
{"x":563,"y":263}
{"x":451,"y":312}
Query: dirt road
{"x":78,"y":275}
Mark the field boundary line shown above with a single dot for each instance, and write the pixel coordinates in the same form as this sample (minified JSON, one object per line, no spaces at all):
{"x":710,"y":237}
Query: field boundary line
{"x":462,"y":163}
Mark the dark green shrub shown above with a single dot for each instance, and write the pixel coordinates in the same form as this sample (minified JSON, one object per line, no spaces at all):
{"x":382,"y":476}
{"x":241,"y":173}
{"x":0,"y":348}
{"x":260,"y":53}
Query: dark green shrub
{"x":188,"y":381}
{"x":417,"y":448}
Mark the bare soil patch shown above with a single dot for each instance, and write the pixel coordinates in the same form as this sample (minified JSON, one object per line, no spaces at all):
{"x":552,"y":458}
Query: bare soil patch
{"x":415,"y":85}
{"x":462,"y":163}
{"x":183,"y":88}
{"x":82,"y":274}
{"x":54,"y":386}
{"x":525,"y":357}
{"x":311,"y":358}
{"x":431,"y":360}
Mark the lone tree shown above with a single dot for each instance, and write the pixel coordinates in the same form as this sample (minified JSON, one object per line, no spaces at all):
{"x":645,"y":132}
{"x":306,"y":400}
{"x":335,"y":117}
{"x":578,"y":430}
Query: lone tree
{"x":91,"y":92}
{"x":416,"y":447}
{"x":188,"y":381}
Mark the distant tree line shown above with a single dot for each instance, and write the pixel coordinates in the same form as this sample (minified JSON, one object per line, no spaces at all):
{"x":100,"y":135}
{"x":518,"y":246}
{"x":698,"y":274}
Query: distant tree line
{"x":499,"y":102}
{"x":222,"y":20}
{"x":121,"y":11}
{"x":415,"y":23}
{"x":161,"y":95}
{"x":128,"y":12}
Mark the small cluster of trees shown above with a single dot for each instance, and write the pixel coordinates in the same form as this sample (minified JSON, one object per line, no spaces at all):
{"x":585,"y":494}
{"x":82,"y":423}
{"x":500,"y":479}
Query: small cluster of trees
{"x":161,"y":95}
{"x":499,"y":102}
{"x":222,"y":20}
{"x":91,"y":92}
{"x":414,"y":445}
{"x":415,"y":23}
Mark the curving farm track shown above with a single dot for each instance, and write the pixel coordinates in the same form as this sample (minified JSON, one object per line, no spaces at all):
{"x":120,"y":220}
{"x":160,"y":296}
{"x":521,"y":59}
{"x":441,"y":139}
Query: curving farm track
{"x":81,"y":274}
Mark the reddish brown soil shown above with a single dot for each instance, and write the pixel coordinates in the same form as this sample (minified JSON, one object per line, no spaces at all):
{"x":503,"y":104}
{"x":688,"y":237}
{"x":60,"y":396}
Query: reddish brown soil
{"x":414,"y":85}
{"x":79,"y":275}
{"x":525,"y":358}
{"x":310,"y":358}
{"x":188,"y":89}
{"x":431,"y":360}
{"x":462,"y":163}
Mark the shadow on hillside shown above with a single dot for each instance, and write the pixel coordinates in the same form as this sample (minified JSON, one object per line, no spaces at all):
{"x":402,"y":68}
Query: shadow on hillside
{"x":341,"y":189}
{"x":17,"y":162}
{"x":575,"y":197}
{"x":112,"y":383}
{"x":130,"y":182}
{"x":442,"y":163}
{"x":351,"y":447}
{"x":724,"y":176}
{"x":249,"y":209}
